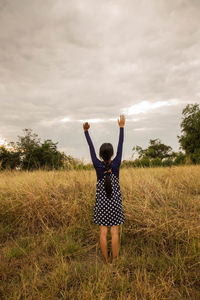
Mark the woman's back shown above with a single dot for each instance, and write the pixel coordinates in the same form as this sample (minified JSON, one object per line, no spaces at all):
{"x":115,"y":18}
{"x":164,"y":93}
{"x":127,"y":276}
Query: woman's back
{"x":100,"y":165}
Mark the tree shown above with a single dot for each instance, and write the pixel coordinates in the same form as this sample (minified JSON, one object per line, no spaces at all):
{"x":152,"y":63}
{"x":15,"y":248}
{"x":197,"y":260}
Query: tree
{"x":9,"y":159}
{"x":190,"y":138}
{"x":155,"y":150}
{"x":180,"y":158}
{"x":47,"y":156}
{"x":27,"y":146}
{"x":34,"y":154}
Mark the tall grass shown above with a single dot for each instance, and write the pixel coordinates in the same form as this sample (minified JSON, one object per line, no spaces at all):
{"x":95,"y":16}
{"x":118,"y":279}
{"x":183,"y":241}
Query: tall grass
{"x":50,"y":246}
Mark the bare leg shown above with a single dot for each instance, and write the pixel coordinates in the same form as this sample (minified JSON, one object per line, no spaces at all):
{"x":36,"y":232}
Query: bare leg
{"x":115,"y":241}
{"x":103,"y":241}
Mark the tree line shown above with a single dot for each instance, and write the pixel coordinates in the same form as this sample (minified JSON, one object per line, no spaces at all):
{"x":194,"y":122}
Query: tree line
{"x":159,"y":154}
{"x":29,"y":153}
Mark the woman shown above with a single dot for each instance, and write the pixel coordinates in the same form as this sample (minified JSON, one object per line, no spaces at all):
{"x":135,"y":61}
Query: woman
{"x":108,"y":210}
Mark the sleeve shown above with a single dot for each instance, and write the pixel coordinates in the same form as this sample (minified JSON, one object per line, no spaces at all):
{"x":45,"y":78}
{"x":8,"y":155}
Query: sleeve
{"x":118,"y":157}
{"x":92,"y":150}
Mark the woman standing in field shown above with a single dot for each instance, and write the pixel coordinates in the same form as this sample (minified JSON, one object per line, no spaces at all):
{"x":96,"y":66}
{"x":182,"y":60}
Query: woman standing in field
{"x":108,"y":210}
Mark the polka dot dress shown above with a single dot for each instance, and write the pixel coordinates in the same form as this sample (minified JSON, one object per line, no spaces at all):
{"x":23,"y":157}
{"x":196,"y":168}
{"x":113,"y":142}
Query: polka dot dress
{"x":108,"y":212}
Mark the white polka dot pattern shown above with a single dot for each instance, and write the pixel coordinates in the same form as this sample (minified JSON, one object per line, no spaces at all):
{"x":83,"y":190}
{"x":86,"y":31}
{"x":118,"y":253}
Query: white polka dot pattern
{"x":108,"y":212}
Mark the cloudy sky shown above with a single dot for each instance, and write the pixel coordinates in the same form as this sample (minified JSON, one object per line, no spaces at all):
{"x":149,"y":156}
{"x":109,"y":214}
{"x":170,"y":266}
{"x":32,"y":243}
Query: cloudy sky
{"x":64,"y":62}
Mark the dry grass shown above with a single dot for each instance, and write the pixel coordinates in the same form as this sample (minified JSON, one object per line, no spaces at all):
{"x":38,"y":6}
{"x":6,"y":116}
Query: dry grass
{"x":50,"y":246}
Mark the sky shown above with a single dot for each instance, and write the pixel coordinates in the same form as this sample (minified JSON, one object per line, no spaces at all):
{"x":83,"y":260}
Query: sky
{"x":66,"y":62}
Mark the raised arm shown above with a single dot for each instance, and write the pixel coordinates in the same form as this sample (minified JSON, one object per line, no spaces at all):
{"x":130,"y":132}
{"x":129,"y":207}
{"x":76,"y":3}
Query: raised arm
{"x":86,"y":126}
{"x":118,"y":156}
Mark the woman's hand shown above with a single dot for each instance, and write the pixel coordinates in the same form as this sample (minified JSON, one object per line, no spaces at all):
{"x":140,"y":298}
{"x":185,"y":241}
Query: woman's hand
{"x":121,"y":122}
{"x":86,"y":126}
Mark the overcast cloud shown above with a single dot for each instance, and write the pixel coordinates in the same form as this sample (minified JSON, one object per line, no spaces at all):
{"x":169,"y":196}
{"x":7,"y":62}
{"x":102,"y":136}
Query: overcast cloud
{"x":66,"y":62}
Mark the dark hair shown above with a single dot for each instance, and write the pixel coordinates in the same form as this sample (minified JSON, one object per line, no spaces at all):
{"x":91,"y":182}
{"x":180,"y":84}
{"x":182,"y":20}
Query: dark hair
{"x":106,"y":152}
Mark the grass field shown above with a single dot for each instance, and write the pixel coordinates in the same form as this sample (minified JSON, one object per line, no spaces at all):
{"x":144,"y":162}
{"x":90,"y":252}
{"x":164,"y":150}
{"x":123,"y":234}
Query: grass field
{"x":49,"y":245}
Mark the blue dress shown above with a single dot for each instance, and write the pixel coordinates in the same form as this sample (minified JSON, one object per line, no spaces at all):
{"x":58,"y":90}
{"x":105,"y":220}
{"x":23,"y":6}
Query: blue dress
{"x":108,"y":212}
